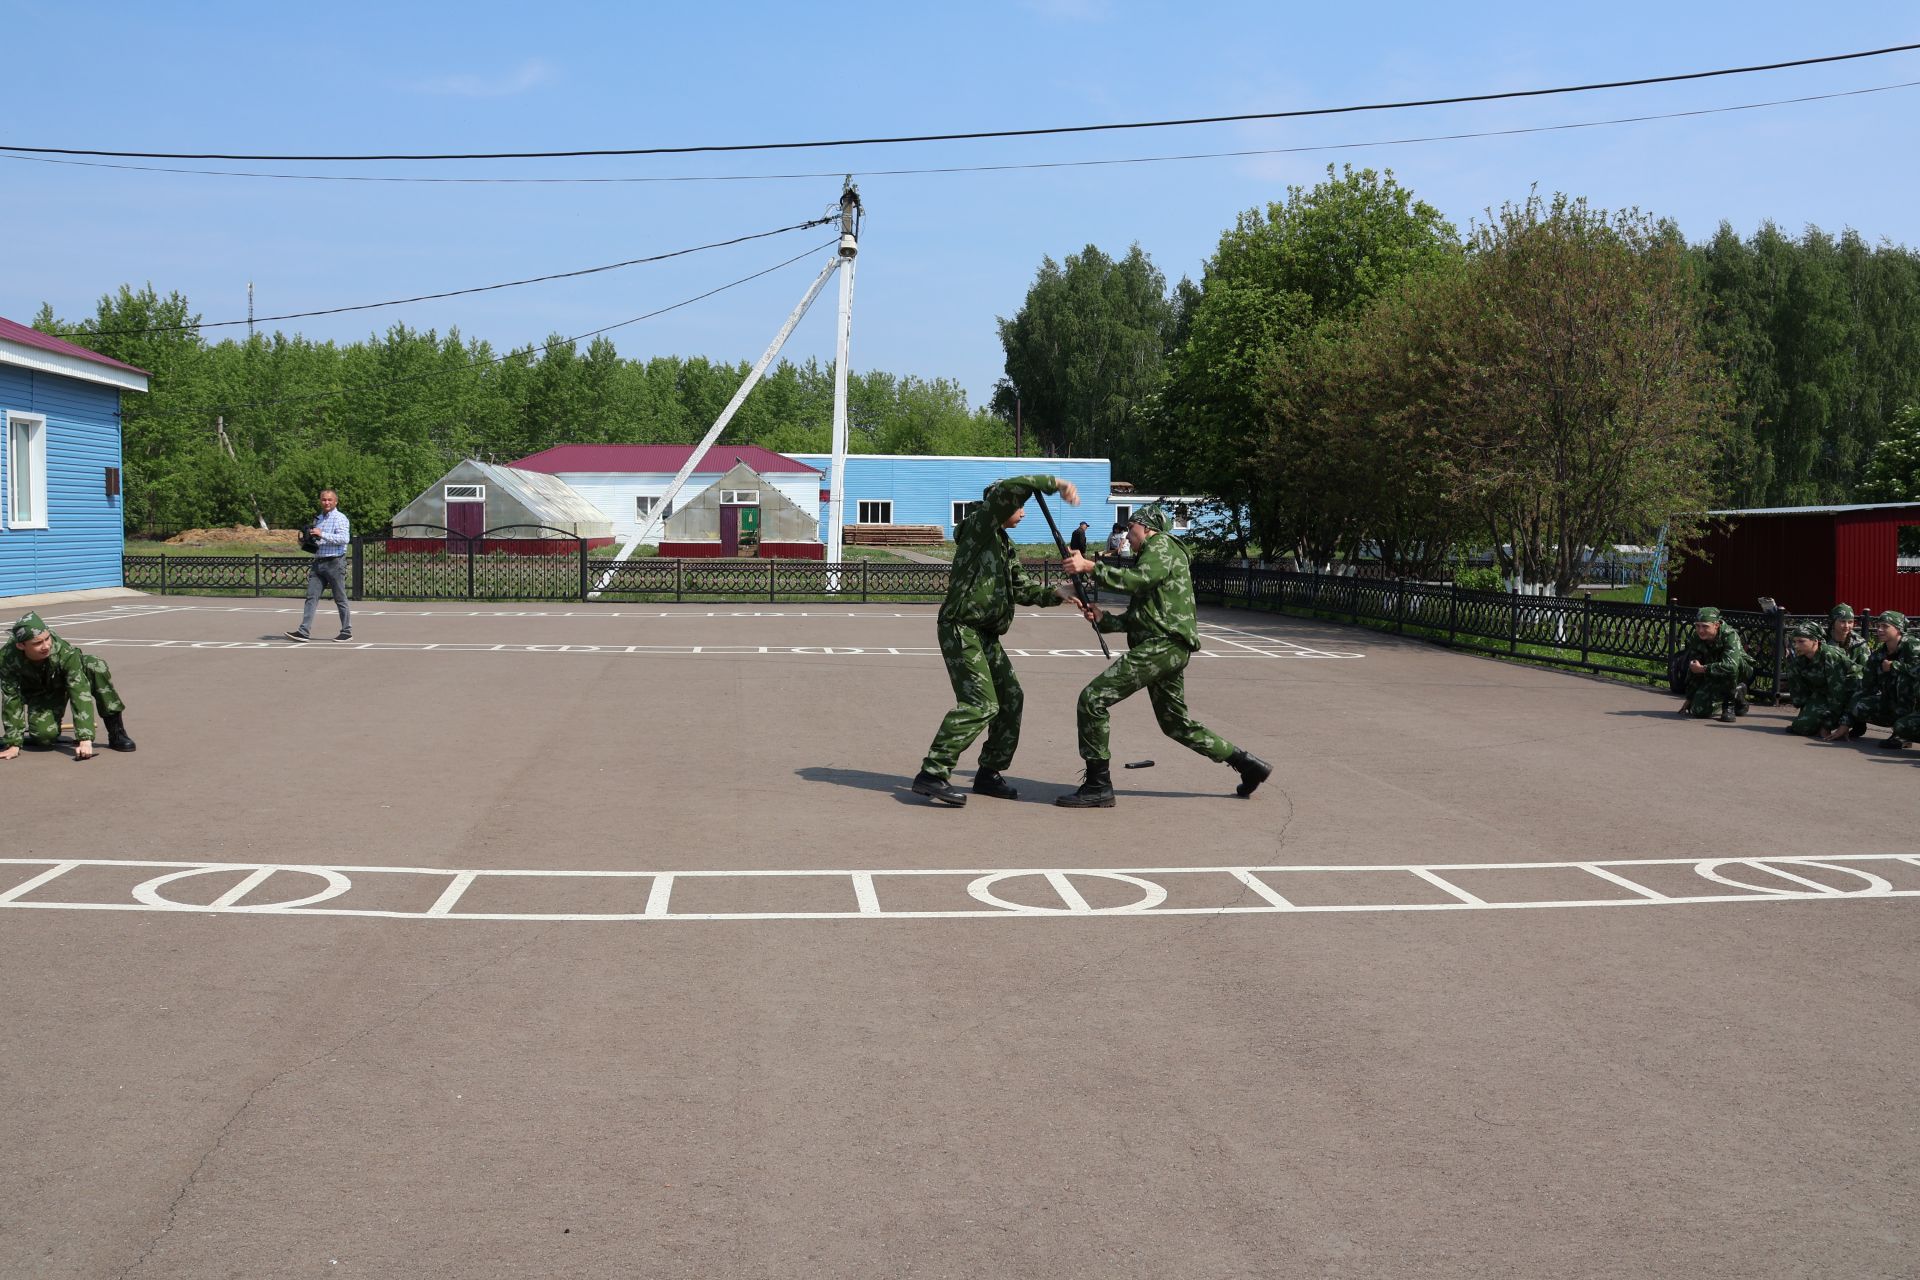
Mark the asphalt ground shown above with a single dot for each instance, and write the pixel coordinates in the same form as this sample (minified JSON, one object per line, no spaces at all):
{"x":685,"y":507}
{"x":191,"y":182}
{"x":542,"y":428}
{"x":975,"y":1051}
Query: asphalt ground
{"x":1642,"y":1045}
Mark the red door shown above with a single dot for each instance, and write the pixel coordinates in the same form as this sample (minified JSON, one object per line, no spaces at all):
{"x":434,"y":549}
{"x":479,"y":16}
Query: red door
{"x":465,"y":521}
{"x":729,"y":531}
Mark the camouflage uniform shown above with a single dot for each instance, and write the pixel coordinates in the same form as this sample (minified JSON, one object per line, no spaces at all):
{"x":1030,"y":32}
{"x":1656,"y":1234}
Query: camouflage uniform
{"x":1726,"y":663}
{"x":986,"y":583}
{"x":34,"y":695}
{"x":1887,"y":697}
{"x":1162,"y":635}
{"x":1855,"y":646}
{"x":1822,"y":686}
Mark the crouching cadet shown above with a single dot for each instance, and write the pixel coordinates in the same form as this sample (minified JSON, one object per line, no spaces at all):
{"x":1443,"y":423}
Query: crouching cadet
{"x":40,"y":675}
{"x":1888,"y":680}
{"x":1822,"y":681}
{"x":1717,"y":669}
{"x":1162,"y":635}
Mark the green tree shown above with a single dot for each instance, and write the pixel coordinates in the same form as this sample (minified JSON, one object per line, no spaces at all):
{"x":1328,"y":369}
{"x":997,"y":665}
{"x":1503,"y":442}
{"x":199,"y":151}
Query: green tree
{"x":1315,"y":257}
{"x":1084,"y":351}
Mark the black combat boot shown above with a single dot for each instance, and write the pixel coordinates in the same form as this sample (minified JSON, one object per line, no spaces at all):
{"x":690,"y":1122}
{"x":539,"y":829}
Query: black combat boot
{"x":117,"y":731}
{"x":1252,"y":770}
{"x":1095,"y":792}
{"x":1894,"y":742}
{"x":1726,"y":713}
{"x":1857,"y":731}
{"x":1740,"y":703}
{"x":988,"y":782}
{"x":925,"y":784}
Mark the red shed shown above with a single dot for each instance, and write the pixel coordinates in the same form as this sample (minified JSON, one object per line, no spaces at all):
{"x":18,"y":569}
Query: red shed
{"x":1807,"y":558}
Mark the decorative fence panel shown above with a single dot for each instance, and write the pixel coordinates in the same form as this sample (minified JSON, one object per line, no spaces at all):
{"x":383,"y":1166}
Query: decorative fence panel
{"x":1596,"y":635}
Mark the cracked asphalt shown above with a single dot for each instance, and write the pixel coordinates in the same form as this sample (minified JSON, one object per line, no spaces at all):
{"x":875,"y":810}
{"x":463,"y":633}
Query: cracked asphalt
{"x":1711,"y":1091}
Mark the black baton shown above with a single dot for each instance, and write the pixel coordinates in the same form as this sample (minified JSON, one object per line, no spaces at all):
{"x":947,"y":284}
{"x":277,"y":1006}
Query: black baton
{"x":1080,"y":582}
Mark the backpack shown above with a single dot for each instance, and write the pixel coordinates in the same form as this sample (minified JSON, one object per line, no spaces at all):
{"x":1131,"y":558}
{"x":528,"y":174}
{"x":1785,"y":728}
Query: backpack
{"x":1677,"y":673}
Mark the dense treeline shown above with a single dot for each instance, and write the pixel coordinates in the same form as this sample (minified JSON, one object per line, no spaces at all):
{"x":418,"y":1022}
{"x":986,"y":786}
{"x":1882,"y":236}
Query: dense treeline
{"x":1353,"y":376}
{"x":237,"y":431}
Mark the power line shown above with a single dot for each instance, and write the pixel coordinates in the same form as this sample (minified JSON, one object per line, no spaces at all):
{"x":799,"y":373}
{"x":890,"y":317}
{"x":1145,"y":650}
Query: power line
{"x":971,"y":135}
{"x":993,"y":168}
{"x":199,"y":410}
{"x":429,"y":297}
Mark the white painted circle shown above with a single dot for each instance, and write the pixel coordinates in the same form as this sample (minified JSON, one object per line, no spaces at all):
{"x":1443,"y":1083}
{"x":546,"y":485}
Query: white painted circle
{"x":149,"y":892}
{"x":1151,"y":894}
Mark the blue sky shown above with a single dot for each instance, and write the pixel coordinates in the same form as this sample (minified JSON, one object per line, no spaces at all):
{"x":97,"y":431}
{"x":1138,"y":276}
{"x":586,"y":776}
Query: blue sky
{"x":943,"y":254}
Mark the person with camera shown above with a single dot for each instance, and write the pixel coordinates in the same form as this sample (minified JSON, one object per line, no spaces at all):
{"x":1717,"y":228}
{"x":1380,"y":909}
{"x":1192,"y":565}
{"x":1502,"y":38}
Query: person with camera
{"x":327,"y":540}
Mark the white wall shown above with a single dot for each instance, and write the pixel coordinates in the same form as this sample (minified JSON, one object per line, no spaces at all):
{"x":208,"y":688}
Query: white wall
{"x":614,"y":492}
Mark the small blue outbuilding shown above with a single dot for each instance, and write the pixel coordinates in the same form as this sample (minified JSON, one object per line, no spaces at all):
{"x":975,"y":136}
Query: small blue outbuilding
{"x":61,"y":525}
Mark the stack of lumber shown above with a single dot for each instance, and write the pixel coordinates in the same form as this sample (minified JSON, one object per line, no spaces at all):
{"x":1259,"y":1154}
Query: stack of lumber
{"x":893,"y":535}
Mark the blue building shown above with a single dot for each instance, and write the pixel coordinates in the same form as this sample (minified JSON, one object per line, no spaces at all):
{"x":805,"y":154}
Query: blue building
{"x":60,"y":516}
{"x":895,"y":488}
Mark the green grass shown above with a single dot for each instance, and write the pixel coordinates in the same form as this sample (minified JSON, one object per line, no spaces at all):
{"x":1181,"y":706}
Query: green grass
{"x":1631,"y":595}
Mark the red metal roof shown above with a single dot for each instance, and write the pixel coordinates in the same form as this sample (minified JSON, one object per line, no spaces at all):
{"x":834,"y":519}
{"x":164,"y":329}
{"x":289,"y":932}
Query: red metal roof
{"x":662,"y":459}
{"x":26,"y":337}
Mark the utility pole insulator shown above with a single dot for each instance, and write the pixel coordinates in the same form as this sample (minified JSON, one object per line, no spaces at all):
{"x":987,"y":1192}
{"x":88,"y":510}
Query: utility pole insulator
{"x":849,"y":219}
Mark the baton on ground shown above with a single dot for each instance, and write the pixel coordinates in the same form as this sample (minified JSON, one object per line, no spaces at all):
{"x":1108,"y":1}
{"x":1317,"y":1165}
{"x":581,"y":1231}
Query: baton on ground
{"x":1079,"y":580}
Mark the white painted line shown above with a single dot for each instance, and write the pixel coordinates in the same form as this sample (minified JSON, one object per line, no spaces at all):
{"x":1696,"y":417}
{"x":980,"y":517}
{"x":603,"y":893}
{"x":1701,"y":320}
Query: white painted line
{"x":1447,"y":886}
{"x":241,"y":890}
{"x":1802,"y":881}
{"x":1068,"y":894}
{"x":658,"y":895}
{"x":1622,"y":881}
{"x":864,"y":895}
{"x":452,"y":893}
{"x":28,"y":886}
{"x":1261,"y":887}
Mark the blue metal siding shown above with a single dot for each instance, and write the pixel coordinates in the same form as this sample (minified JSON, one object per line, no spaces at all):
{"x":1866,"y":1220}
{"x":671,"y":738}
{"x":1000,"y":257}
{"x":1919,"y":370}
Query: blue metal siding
{"x":84,"y":539}
{"x":924,"y":489}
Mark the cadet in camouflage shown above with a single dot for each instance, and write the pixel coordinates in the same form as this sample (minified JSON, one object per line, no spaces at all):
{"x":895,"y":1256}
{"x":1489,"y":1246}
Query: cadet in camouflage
{"x":1718,"y":668}
{"x":40,"y":675}
{"x":1844,"y":635}
{"x":984,"y":586}
{"x":1821,"y":681}
{"x":1889,"y":683}
{"x":1162,"y":630}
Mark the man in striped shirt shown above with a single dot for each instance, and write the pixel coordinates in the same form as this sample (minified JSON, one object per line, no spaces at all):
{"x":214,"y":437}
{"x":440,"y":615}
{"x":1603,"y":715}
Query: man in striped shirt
{"x":328,"y":571}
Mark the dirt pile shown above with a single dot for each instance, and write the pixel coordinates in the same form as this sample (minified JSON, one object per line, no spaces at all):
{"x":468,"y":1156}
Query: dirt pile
{"x":238,"y":535}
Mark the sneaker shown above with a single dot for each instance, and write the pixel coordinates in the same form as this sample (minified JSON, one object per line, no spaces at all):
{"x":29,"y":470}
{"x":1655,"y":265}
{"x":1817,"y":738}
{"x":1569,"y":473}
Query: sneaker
{"x":343,"y":636}
{"x":298,"y":637}
{"x":925,"y":784}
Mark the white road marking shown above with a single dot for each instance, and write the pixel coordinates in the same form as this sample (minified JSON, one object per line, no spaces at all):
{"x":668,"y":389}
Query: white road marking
{"x":1320,"y":889}
{"x":643,"y":650}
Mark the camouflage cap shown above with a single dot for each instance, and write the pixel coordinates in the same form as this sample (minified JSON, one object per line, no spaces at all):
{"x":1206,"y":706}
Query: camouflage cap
{"x":1839,"y":611}
{"x":1152,"y":516}
{"x":27,"y":628}
{"x":1708,"y":614}
{"x":1895,"y":617}
{"x":1809,"y":631}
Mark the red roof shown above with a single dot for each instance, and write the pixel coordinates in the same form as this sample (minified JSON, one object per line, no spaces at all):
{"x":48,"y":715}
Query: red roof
{"x":658,"y":459}
{"x":20,"y":333}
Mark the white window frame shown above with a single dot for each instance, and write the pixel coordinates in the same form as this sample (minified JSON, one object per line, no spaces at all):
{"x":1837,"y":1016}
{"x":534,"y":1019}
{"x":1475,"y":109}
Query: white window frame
{"x":860,"y":510}
{"x":644,"y":505}
{"x":962,"y":509}
{"x":739,"y":497}
{"x":469,"y":493}
{"x":34,"y":466}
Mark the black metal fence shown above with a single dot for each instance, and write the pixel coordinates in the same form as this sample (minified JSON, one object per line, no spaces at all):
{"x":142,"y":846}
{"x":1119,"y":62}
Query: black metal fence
{"x":1593,"y":635}
{"x":1573,"y":631}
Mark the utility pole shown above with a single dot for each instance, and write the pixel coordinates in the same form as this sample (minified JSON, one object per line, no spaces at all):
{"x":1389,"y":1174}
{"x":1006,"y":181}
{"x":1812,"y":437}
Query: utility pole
{"x":1016,"y":424}
{"x":249,"y":311}
{"x":836,"y":482}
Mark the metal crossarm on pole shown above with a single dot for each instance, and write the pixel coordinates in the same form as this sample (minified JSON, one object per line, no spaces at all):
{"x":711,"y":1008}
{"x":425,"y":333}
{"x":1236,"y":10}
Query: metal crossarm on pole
{"x":1081,"y":585}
